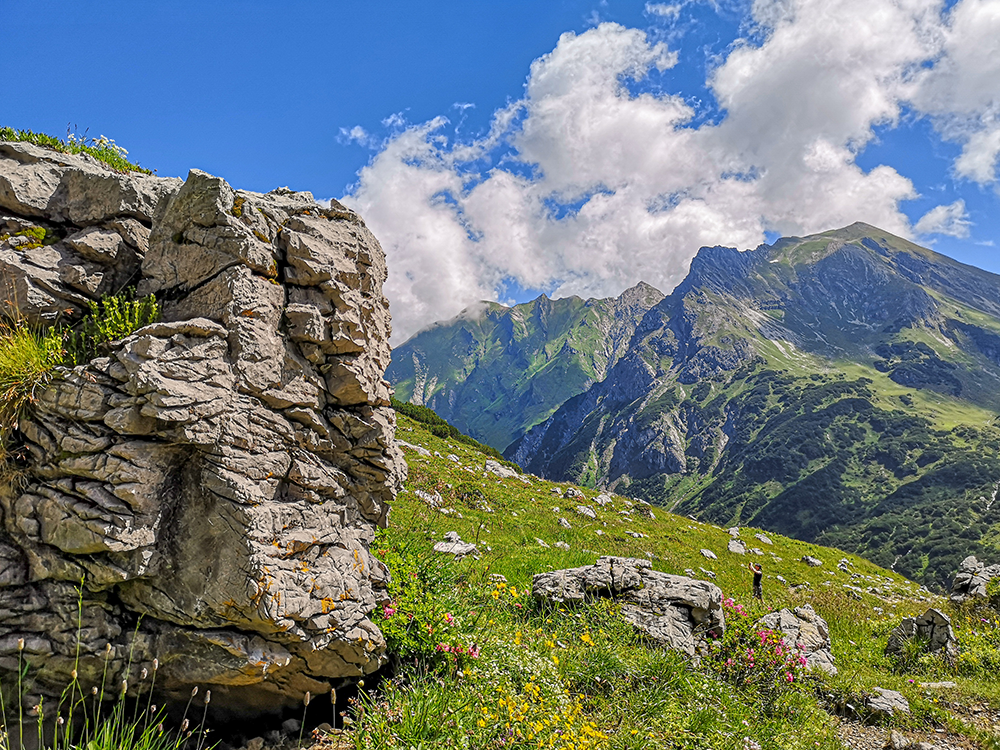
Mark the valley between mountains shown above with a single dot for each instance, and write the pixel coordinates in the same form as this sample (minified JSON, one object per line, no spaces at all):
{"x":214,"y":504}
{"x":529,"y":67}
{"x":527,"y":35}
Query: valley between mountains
{"x":841,"y":388}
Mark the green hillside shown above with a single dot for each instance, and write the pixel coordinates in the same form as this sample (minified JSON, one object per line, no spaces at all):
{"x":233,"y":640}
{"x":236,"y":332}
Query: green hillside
{"x":840,"y":388}
{"x":496,"y":371}
{"x":479,"y":664}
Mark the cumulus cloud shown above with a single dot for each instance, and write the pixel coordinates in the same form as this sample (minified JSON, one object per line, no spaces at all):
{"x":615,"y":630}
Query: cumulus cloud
{"x":952,"y":220}
{"x":594,"y":180}
{"x":961,"y":90}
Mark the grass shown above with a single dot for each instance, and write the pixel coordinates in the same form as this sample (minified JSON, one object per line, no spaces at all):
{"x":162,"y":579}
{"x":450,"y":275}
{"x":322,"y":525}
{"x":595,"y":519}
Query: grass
{"x":103,"y":149}
{"x":496,"y":669}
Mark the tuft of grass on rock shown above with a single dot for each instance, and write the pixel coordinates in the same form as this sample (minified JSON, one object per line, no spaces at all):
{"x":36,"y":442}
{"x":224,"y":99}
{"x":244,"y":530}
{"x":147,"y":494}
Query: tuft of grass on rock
{"x":103,"y":149}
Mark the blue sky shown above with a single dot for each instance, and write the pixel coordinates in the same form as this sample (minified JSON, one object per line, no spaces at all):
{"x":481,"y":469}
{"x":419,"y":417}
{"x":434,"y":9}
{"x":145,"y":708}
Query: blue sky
{"x":499,"y":149}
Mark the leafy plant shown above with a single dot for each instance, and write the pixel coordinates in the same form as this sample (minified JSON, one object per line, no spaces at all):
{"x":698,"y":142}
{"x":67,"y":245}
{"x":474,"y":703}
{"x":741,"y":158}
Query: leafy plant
{"x":111,"y":319}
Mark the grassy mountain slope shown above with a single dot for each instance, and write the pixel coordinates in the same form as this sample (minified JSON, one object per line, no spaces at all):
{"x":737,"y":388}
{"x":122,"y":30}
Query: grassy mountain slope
{"x":479,"y":664}
{"x":496,"y":371}
{"x":840,"y":388}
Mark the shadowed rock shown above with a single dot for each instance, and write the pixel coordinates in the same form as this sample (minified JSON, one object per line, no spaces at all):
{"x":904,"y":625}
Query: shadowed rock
{"x":932,"y":627}
{"x":220,"y":473}
{"x":971,"y":579}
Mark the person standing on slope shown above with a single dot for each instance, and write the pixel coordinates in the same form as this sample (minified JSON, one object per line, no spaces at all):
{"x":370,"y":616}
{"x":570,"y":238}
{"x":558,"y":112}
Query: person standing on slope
{"x":758,"y":575}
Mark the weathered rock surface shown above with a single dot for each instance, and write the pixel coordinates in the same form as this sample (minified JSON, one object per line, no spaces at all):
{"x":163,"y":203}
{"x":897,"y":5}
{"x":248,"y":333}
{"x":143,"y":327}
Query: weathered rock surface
{"x":220,"y":473}
{"x":887,"y":702}
{"x":673,"y":611}
{"x":932,"y":627}
{"x":453,"y":545}
{"x":803,"y":629}
{"x":972,"y":578}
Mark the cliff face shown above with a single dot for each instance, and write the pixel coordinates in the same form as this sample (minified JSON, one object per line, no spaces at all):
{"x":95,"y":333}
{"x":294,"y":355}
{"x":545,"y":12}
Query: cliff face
{"x":220,"y":473}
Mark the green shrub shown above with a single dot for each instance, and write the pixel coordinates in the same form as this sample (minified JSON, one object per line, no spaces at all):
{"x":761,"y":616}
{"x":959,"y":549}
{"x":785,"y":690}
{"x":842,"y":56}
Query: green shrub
{"x":755,"y":658}
{"x":103,"y":149}
{"x":425,"y":618}
{"x":111,"y":319}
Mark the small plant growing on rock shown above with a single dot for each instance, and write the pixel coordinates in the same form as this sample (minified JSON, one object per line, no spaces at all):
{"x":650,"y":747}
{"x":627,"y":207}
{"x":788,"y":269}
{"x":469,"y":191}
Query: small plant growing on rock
{"x":111,"y":319}
{"x":104,"y":149}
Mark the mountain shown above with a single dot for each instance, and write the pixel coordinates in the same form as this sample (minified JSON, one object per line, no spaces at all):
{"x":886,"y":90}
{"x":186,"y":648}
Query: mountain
{"x":839,"y":388}
{"x":495,"y":371}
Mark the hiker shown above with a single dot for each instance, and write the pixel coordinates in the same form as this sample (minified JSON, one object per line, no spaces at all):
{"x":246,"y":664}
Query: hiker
{"x":758,"y":574}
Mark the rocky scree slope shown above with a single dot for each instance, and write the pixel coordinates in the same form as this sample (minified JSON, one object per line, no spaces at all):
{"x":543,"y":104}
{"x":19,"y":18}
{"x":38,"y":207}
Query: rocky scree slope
{"x":837,"y":388}
{"x":495,"y":371}
{"x":204,"y":493}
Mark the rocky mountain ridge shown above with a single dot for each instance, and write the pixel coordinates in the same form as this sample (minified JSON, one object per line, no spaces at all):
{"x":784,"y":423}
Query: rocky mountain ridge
{"x":838,"y":387}
{"x":495,"y":371}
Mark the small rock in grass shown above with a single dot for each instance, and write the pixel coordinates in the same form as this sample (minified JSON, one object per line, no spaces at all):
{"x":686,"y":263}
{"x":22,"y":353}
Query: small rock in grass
{"x":811,"y":561}
{"x":688,"y":572}
{"x":734,"y":532}
{"x":562,"y":545}
{"x":709,"y":573}
{"x":887,"y":702}
{"x":757,"y":551}
{"x":564,"y":523}
{"x":763,"y":539}
{"x":453,"y":458}
{"x":600,"y":533}
{"x":585,"y":510}
{"x":736,"y":547}
{"x":603,"y":499}
{"x":709,"y":554}
{"x":541,"y":543}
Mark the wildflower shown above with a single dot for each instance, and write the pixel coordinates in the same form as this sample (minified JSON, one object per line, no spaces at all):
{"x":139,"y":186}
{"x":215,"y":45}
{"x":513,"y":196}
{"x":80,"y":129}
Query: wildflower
{"x":448,"y":618}
{"x":20,"y":644}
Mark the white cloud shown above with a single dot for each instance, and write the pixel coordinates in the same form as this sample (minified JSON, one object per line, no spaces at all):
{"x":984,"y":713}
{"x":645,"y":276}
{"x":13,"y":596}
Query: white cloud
{"x":952,"y":220}
{"x":592,"y":186}
{"x":664,"y":10}
{"x":962,"y":89}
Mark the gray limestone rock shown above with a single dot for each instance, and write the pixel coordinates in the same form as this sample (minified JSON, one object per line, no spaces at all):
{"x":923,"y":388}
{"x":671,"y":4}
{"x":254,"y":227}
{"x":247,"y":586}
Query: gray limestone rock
{"x":673,"y":611}
{"x":887,"y":702}
{"x":220,"y":473}
{"x":932,"y":627}
{"x":737,"y":547}
{"x":586,"y":511}
{"x":811,"y":561}
{"x":805,"y":630}
{"x":971,"y":579}
{"x":453,"y":545}
{"x":709,"y":555}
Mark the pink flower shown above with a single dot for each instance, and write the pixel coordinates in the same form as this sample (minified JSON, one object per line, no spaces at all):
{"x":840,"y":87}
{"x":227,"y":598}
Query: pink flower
{"x":788,"y":676}
{"x":448,"y":618}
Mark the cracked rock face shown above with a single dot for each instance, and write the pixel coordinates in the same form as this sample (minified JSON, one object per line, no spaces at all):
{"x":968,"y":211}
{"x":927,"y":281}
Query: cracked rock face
{"x":216,"y":478}
{"x":972,"y":579}
{"x":672,"y":611}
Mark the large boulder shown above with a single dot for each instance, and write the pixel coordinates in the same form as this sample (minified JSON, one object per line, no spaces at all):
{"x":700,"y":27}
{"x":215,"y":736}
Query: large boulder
{"x":673,"y":611}
{"x":801,"y":628}
{"x":933,"y":628}
{"x":971,"y":579}
{"x":205,"y":493}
